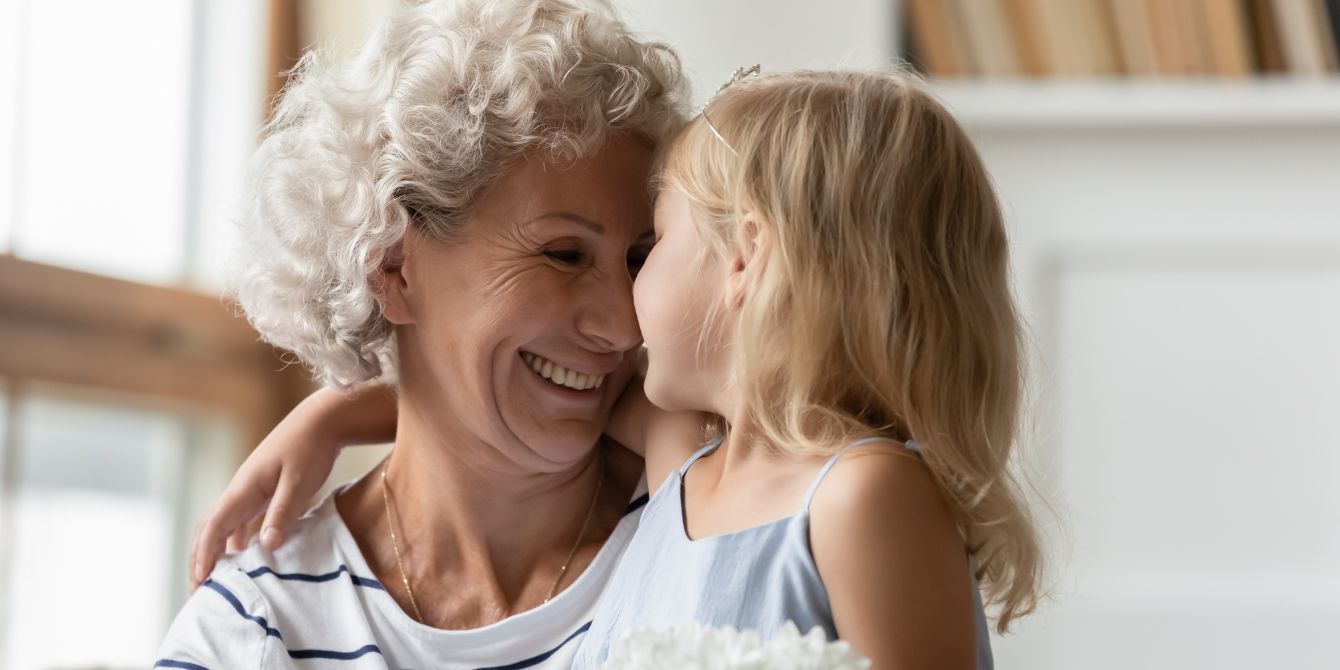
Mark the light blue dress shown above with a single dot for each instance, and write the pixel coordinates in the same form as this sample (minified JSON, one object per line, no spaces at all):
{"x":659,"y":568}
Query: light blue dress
{"x":757,"y":578}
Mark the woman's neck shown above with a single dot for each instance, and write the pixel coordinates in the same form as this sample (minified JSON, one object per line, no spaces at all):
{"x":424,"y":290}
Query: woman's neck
{"x":468,"y":516}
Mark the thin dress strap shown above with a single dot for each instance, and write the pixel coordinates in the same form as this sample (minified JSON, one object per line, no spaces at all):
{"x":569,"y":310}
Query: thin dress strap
{"x":814,"y":486}
{"x":699,"y":454}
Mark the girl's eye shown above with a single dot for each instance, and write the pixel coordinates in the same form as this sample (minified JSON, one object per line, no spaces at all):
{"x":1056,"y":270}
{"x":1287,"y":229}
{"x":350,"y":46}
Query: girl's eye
{"x":566,"y":257}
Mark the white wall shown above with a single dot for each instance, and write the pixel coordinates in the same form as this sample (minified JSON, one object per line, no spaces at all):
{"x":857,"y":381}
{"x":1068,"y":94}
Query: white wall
{"x":716,"y":36}
{"x":1182,"y":273}
{"x":342,"y":26}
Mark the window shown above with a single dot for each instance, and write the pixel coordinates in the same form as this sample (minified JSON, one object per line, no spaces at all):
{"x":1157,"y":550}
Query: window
{"x":93,"y":561}
{"x":129,"y":391}
{"x":127,"y":137}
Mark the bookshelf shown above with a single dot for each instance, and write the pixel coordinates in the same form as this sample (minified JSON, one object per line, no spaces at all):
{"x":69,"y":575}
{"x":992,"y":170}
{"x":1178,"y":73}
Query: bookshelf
{"x":974,"y":52}
{"x":1079,"y":39}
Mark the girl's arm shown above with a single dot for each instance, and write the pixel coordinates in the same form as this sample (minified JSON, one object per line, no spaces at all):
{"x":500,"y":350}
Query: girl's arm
{"x":288,"y":468}
{"x":891,"y":556}
{"x":295,"y":459}
{"x":663,"y":439}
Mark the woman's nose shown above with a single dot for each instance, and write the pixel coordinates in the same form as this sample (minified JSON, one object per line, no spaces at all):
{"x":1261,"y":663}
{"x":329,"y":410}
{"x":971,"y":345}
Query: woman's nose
{"x":608,"y":318}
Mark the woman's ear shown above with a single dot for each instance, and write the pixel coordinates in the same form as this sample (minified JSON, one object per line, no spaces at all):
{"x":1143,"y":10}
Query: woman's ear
{"x":392,"y":284}
{"x":747,"y":258}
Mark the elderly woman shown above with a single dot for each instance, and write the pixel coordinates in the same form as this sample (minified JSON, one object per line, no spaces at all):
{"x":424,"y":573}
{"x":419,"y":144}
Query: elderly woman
{"x":457,"y":211}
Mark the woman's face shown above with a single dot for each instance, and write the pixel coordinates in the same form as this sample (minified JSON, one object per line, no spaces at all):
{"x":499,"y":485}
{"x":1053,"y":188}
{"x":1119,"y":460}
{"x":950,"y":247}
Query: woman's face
{"x":521,"y":329}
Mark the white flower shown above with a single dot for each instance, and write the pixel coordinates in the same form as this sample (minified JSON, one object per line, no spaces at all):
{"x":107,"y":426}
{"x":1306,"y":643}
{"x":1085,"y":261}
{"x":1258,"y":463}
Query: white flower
{"x":696,"y":647}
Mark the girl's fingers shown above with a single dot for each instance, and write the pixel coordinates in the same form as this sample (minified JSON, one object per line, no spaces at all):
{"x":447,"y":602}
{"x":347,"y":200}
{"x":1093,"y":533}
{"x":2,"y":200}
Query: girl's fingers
{"x":283,"y":512}
{"x":191,"y":558}
{"x":231,"y":514}
{"x":238,"y":540}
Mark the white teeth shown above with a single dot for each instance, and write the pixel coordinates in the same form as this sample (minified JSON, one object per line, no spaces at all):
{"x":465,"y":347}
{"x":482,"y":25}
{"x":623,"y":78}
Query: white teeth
{"x":561,"y":375}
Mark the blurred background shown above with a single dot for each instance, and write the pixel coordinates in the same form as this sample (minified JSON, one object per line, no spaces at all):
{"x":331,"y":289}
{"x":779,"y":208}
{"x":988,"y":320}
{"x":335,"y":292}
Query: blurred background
{"x":1170,"y":171}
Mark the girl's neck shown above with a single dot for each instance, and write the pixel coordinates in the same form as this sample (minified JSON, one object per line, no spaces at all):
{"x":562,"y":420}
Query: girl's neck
{"x":744,"y":447}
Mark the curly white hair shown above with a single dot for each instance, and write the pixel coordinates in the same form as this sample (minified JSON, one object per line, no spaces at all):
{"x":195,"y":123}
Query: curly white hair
{"x":443,"y":96}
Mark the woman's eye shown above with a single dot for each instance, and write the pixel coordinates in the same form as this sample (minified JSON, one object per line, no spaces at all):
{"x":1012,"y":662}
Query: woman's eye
{"x":636,"y":259}
{"x":566,"y":257}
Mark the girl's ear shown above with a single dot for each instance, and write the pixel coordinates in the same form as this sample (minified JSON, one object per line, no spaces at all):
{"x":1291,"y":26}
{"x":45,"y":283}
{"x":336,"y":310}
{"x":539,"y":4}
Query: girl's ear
{"x":747,"y":258}
{"x":391,"y":283}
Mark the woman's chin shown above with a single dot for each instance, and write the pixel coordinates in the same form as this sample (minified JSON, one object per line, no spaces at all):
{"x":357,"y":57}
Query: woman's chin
{"x":563,"y":442}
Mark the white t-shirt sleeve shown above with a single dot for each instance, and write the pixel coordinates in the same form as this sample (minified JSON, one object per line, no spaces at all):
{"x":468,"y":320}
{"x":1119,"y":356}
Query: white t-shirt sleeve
{"x":226,"y":623}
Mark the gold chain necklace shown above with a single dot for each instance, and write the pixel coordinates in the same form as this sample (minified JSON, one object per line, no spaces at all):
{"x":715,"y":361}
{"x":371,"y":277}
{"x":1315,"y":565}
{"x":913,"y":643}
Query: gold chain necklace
{"x":395,"y":544}
{"x":392,"y":521}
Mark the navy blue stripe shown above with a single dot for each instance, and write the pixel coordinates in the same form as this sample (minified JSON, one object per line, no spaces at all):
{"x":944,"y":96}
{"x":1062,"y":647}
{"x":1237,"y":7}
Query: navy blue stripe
{"x":536,"y":660}
{"x":300,"y":577}
{"x":638,"y":503}
{"x":298,"y":653}
{"x":237,"y":605}
{"x":336,"y":655}
{"x":169,"y":663}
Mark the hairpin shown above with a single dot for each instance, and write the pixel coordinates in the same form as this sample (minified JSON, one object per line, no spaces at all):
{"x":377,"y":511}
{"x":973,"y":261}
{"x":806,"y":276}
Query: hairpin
{"x":740,"y":73}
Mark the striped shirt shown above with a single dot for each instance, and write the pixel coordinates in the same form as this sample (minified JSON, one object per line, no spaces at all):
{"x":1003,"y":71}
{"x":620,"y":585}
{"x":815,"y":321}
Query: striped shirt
{"x":314,"y":604}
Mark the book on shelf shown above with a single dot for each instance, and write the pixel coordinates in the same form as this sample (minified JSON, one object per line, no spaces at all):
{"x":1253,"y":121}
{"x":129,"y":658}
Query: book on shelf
{"x":1230,"y":43}
{"x":1269,"y":51}
{"x":1333,"y":16}
{"x":1034,"y":55}
{"x":989,"y":48}
{"x":1230,"y":39}
{"x":936,"y":40}
{"x":1330,"y":44}
{"x":1165,"y":24}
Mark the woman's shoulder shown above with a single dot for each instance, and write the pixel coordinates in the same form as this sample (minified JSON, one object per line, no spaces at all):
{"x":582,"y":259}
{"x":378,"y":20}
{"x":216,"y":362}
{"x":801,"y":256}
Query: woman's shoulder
{"x":314,"y":540}
{"x":225,"y":623}
{"x":314,"y":552}
{"x":234,"y":618}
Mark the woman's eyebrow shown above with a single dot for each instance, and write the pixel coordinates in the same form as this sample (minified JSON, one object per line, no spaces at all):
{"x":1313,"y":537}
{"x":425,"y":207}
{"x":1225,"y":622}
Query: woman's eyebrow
{"x":569,"y":216}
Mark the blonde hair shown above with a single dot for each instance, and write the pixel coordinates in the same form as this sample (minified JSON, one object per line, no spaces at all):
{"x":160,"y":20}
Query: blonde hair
{"x":444,"y":96}
{"x":885,"y":303}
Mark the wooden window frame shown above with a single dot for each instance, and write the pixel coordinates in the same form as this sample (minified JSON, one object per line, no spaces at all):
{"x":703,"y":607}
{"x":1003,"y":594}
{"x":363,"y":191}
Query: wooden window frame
{"x":181,"y":349}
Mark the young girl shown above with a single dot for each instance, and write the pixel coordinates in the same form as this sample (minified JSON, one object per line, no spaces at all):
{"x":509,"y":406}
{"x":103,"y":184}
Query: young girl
{"x":828,"y":296}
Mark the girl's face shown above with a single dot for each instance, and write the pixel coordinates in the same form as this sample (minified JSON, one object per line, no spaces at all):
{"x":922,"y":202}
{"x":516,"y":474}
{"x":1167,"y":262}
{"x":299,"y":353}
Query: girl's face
{"x":675,"y":295}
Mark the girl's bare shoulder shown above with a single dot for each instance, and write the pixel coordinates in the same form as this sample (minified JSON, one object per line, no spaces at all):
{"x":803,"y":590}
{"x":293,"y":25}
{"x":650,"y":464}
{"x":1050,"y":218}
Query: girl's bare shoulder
{"x":884,"y":485}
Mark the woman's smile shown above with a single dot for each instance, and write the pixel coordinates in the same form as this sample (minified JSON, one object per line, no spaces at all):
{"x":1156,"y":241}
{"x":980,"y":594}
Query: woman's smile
{"x":572,"y":378}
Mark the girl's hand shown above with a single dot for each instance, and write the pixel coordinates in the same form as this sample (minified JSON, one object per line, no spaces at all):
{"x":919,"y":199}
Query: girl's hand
{"x":286,"y":470}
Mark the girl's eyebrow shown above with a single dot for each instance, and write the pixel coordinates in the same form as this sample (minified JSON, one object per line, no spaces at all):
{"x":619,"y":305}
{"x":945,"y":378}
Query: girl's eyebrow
{"x":569,"y":216}
{"x":650,"y":233}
